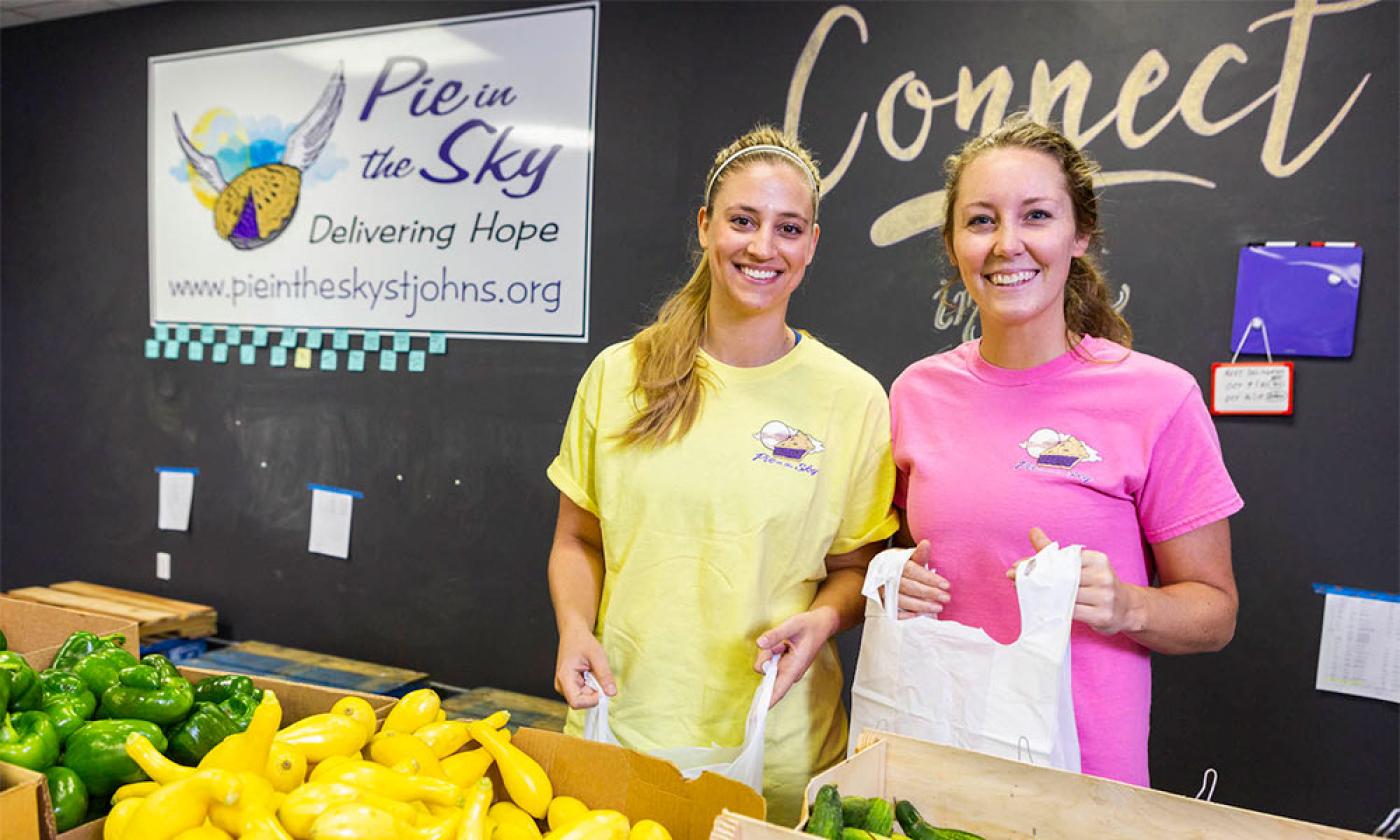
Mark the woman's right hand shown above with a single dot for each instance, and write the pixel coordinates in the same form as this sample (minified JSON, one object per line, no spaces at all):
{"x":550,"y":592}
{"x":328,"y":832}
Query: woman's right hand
{"x":921,"y":590}
{"x":578,"y":653}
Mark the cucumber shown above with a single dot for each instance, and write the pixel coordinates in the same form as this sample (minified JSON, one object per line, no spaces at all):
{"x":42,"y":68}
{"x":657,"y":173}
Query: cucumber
{"x":825,"y":820}
{"x":853,"y":810}
{"x":911,"y":822}
{"x":860,"y":834}
{"x":917,"y":828}
{"x":879,"y":819}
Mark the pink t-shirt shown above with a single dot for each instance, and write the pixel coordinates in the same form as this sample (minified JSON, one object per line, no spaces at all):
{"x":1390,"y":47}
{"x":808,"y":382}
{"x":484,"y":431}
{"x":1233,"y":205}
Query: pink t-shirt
{"x":1115,"y":451}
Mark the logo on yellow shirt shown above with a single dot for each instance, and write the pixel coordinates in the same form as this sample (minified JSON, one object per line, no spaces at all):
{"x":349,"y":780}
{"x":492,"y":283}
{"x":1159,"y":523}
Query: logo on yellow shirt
{"x":788,"y":444}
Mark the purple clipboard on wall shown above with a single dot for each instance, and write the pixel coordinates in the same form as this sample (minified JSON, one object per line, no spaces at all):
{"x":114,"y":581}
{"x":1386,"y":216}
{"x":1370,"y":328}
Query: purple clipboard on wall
{"x":1304,"y":296}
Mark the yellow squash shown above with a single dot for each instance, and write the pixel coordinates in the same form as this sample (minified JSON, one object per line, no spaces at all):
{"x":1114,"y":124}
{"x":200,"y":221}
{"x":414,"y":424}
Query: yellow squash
{"x":161,"y":769}
{"x":507,"y":813}
{"x":204,"y":832}
{"x":524,"y":779}
{"x":286,"y":767}
{"x":440,"y":827}
{"x":319,"y":737}
{"x":509,"y":831}
{"x":414,"y":710}
{"x":255,"y":799}
{"x":263,"y":825}
{"x":135,"y":789}
{"x":464,"y":768}
{"x":381,"y":780}
{"x":476,"y":820}
{"x":247,"y":751}
{"x":648,"y":830}
{"x":392,"y":748}
{"x":357,"y":709}
{"x":597,"y":825}
{"x":302,"y":806}
{"x":355,"y":821}
{"x":564,"y":811}
{"x":182,"y":805}
{"x":444,"y":737}
{"x":115,"y":825}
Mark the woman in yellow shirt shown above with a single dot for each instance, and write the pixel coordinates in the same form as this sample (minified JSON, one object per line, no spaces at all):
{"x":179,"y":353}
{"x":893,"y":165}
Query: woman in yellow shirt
{"x":724,"y":480}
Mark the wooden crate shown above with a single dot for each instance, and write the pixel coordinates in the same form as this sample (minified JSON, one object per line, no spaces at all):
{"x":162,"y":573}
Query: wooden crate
{"x":254,"y":657}
{"x":1007,"y":800}
{"x":155,"y":616}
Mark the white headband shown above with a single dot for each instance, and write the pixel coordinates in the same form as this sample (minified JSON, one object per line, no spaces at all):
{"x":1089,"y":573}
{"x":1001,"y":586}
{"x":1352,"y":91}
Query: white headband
{"x":777,"y":150}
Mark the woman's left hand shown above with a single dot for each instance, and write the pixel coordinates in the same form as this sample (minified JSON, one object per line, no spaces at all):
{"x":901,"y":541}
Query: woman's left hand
{"x":799,"y":639}
{"x":1103,"y":602}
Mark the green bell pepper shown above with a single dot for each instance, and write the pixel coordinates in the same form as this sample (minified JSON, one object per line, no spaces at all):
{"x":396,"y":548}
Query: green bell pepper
{"x":69,"y":796}
{"x":220,"y":688}
{"x":24,"y":683}
{"x":67,"y":701}
{"x":97,"y":753}
{"x":4,"y":690}
{"x":4,"y":643}
{"x":29,"y":740}
{"x":199,"y":733}
{"x":100,"y":670}
{"x":153,"y":690}
{"x":84,"y":643}
{"x":223,"y":706}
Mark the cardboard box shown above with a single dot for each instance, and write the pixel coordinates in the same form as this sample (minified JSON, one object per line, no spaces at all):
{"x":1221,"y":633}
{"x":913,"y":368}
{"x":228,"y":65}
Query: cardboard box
{"x":24,"y":805}
{"x":642,"y":787}
{"x":605,"y":776}
{"x":1008,"y":800}
{"x":298,"y":700}
{"x":37,"y":631}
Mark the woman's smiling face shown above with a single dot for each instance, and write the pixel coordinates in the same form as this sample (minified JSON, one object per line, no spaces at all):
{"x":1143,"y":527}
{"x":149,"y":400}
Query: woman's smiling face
{"x":1015,"y":237}
{"x":760,"y":238}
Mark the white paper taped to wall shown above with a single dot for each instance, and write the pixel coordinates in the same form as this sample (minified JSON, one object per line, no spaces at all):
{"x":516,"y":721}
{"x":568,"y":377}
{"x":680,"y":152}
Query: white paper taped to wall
{"x":1360,"y":650}
{"x":331,"y":511}
{"x":176,"y":495}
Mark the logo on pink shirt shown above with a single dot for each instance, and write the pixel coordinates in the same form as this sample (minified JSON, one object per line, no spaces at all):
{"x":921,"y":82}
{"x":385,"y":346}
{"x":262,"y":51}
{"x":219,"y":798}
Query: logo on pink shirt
{"x":1051,"y":450}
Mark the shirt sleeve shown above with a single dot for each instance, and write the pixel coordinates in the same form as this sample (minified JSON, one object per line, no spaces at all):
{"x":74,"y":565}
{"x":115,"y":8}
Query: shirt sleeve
{"x":1187,"y":485}
{"x":867,"y":516}
{"x":572,"y":470}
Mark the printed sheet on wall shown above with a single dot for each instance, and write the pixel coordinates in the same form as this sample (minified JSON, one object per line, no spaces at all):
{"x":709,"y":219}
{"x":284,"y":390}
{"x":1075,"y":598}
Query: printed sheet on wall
{"x":431,"y":177}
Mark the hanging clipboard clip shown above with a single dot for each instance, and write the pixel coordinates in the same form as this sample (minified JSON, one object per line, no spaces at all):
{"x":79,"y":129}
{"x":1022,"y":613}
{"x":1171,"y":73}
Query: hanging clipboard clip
{"x":1252,"y":388}
{"x":1255,"y":323}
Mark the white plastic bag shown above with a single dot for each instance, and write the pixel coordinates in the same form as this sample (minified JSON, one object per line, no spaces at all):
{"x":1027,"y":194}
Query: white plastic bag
{"x":743,"y":763}
{"x":952,"y":684}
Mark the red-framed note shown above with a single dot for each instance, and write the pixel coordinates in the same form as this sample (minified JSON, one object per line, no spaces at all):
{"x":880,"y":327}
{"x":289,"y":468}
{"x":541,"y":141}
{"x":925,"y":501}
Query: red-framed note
{"x":1262,"y":388}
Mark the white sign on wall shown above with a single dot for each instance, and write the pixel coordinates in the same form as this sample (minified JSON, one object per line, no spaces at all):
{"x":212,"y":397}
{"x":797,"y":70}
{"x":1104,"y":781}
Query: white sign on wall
{"x":432,"y":177}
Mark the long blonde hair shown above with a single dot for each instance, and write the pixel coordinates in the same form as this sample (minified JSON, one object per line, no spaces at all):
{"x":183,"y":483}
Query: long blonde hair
{"x":1088,"y":302}
{"x":670,"y":383}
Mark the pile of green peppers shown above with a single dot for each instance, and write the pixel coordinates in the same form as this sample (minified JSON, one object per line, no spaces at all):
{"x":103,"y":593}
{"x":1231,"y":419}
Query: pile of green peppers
{"x":71,"y":720}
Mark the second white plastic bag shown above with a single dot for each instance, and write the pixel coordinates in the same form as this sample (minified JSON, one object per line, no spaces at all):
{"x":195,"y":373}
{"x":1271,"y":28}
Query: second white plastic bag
{"x":953,"y":684}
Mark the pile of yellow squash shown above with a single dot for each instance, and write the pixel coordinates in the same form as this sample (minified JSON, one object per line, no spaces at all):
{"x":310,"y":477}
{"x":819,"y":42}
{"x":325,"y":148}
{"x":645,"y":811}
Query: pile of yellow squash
{"x":332,"y":776}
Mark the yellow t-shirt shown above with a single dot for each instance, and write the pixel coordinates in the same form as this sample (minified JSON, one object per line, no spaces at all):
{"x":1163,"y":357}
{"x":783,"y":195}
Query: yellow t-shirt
{"x":713,"y":539}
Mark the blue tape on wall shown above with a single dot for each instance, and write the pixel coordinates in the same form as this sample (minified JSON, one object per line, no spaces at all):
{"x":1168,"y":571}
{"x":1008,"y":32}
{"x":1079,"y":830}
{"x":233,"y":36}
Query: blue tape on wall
{"x":328,"y":489}
{"x":1329,"y":589}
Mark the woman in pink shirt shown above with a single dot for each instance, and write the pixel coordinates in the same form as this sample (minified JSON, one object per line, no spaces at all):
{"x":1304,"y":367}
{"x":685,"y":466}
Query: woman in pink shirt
{"x":1051,"y":427}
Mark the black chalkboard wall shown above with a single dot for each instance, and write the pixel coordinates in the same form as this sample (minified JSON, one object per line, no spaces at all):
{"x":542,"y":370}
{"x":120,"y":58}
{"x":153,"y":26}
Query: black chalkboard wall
{"x":448,"y":577}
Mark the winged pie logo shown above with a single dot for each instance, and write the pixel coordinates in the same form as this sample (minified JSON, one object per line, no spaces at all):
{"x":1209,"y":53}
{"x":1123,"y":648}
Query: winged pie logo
{"x":789,"y":446}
